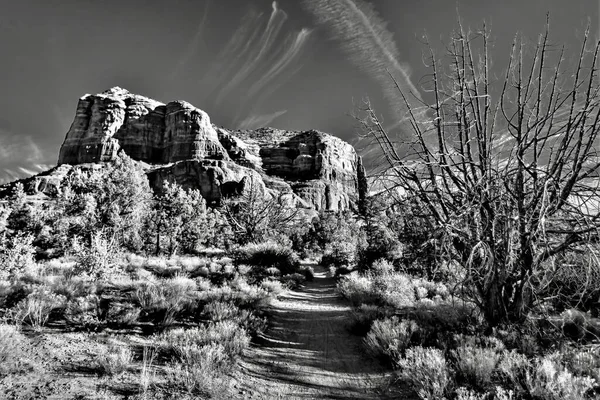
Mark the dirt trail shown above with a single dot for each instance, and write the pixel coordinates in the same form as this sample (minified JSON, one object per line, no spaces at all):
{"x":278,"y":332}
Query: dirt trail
{"x":309,"y":353}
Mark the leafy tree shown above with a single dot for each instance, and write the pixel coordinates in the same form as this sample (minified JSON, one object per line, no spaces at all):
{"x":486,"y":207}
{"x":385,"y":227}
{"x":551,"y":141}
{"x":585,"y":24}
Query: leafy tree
{"x":180,"y":218}
{"x":508,"y":172}
{"x":115,"y":199}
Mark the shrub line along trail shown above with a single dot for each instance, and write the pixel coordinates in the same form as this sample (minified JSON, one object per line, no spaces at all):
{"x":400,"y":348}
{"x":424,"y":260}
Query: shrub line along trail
{"x":308,"y":352}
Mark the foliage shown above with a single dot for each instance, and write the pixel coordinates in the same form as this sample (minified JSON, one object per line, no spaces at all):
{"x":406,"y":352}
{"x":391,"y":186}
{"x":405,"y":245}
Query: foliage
{"x":180,"y":221}
{"x":390,"y":337}
{"x":16,"y":253}
{"x":504,"y":171}
{"x":475,"y":361}
{"x":426,"y":370}
{"x":267,"y":255}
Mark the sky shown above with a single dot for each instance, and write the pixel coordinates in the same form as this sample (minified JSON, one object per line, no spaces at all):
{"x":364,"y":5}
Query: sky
{"x":289,"y":64}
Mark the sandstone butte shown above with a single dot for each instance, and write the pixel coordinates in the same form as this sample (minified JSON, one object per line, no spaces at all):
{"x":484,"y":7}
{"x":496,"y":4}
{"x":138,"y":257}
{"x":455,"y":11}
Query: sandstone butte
{"x":178,"y":143}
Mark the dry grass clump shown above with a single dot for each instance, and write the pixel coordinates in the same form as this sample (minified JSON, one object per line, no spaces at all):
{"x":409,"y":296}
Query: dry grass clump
{"x":114,"y":359}
{"x":36,"y":308}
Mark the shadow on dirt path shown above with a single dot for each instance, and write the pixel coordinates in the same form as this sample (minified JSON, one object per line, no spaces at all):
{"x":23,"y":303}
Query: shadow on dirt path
{"x":308,"y":353}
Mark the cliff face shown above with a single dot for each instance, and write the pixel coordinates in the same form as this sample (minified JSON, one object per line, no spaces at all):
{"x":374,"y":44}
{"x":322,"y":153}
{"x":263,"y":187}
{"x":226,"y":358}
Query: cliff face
{"x":181,"y":144}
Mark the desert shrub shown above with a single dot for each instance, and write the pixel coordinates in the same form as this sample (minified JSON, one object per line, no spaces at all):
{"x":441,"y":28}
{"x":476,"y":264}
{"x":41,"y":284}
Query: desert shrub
{"x":98,"y":260}
{"x":390,"y":337}
{"x":427,"y":372}
{"x":12,"y":292}
{"x":463,"y":393}
{"x":36,"y":308}
{"x":308,"y":272}
{"x":16,"y":254}
{"x":357,"y":288}
{"x":201,"y":373}
{"x":11,"y":340}
{"x":543,"y":378}
{"x":163,"y":301}
{"x":186,"y":344}
{"x":267,"y":255}
{"x":220,"y":311}
{"x":394,"y":289}
{"x":293,"y":281}
{"x":114,"y":359}
{"x":226,"y":311}
{"x":548,"y":379}
{"x":583,"y":362}
{"x":83,"y":312}
{"x":363,"y":317}
{"x":475,"y":361}
{"x":121,"y":314}
{"x":339,"y":253}
{"x":439,"y":322}
{"x":70,"y":287}
{"x":273,"y":287}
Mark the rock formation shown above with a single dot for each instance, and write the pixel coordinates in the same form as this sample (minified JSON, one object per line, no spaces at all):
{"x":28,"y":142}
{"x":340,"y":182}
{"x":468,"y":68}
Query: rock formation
{"x":180,"y":144}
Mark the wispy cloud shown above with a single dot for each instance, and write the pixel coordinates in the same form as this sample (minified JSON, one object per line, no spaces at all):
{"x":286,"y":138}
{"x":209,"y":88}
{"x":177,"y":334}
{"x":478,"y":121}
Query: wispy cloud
{"x":20,"y":157}
{"x":260,"y":121}
{"x":258,"y":51}
{"x":292,"y":49}
{"x":364,"y":37}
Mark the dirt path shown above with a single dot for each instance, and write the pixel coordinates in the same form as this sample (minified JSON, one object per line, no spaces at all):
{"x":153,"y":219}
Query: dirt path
{"x":309,"y":353}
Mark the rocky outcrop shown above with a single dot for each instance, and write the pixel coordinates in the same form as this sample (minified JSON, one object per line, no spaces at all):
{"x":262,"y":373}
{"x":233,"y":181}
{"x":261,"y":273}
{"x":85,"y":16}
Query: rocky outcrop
{"x":144,"y":128}
{"x":181,"y":145}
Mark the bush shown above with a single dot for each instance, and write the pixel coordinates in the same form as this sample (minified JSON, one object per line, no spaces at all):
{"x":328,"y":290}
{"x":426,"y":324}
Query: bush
{"x":293,"y":281}
{"x":390,"y":337}
{"x":11,"y":340}
{"x":35,"y":309}
{"x":475,"y":361}
{"x":203,"y":374}
{"x":358,"y":289}
{"x":114,"y":359}
{"x":338,"y":254}
{"x":267,"y":255}
{"x":548,"y":379}
{"x":98,"y":260}
{"x":427,"y":372}
{"x":83,"y":312}
{"x":16,"y":255}
{"x":363,"y":317}
{"x":164,"y":300}
{"x":186,"y":344}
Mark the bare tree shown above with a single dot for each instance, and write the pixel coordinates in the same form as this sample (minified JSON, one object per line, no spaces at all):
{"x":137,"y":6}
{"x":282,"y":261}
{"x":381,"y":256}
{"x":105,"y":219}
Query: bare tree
{"x":256,"y":215}
{"x":507,"y":170}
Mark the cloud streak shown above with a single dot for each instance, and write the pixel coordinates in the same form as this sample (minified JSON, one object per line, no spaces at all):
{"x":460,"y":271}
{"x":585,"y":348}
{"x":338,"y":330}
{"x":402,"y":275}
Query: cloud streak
{"x":368,"y":44}
{"x":292,"y":50}
{"x":265,"y":45}
{"x":20,"y":157}
{"x":261,"y":55}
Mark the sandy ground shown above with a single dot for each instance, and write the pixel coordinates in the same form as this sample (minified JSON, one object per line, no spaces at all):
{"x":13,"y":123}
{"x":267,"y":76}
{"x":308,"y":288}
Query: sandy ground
{"x":309,"y":353}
